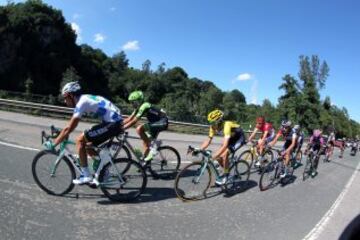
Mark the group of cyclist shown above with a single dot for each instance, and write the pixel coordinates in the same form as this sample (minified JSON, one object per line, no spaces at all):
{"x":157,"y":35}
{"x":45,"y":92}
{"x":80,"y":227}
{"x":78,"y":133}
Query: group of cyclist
{"x":113,"y":124}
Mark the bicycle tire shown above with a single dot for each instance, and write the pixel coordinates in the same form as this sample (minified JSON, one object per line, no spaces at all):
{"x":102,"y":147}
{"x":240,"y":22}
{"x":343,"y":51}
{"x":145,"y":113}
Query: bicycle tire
{"x":247,"y":156}
{"x":166,"y":163}
{"x":190,"y":172}
{"x":269,"y":156}
{"x":130,"y":171}
{"x":307,"y":168}
{"x":238,"y":173}
{"x":66,"y":166}
{"x":124,"y":152}
{"x":268,"y":176}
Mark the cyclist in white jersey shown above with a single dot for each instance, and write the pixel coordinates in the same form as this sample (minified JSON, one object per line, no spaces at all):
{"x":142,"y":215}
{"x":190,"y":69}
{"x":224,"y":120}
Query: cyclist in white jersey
{"x":91,"y":106}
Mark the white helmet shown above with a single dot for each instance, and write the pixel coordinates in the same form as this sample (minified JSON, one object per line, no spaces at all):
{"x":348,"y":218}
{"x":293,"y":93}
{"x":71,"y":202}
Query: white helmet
{"x":71,"y":87}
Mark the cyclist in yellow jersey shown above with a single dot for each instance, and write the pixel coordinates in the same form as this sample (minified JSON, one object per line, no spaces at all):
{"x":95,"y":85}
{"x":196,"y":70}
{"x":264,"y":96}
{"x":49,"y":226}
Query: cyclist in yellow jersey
{"x":234,"y":137}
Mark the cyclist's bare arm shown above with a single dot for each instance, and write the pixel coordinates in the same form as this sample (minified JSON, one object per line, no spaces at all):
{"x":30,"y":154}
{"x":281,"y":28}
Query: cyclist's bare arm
{"x":272,"y":143}
{"x":252,"y":135}
{"x":131,"y":122}
{"x":67,"y":130}
{"x":222,"y":149}
{"x":262,"y":140}
{"x":206,"y":143}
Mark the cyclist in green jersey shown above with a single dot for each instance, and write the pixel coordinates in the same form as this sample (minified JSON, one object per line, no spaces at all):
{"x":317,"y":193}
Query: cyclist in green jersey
{"x":157,"y":121}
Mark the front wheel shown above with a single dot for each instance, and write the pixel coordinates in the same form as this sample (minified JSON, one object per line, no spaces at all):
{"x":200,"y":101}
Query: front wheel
{"x":308,"y":168}
{"x":193,"y":181}
{"x":52,"y":176}
{"x":239,"y":175}
{"x":166,"y":163}
{"x":268,"y":176}
{"x":122,"y":180}
{"x":248,"y":157}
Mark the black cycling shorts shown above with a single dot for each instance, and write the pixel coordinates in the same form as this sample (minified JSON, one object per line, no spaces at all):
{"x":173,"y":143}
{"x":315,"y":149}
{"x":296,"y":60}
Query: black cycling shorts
{"x":102,"y":132}
{"x":154,"y":128}
{"x":237,"y":140}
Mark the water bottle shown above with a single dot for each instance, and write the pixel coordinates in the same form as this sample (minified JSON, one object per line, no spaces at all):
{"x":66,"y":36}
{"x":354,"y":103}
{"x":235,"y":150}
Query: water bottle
{"x":96,"y":163}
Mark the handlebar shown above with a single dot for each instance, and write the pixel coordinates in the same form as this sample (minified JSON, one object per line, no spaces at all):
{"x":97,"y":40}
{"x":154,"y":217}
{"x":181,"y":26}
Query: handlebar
{"x":196,"y":151}
{"x":54,"y":133}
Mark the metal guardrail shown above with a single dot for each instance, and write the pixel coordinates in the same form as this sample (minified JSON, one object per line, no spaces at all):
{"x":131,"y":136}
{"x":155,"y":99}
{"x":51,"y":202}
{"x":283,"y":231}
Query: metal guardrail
{"x":58,"y":111}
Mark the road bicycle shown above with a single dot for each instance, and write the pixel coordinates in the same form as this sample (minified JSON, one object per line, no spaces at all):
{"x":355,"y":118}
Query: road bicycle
{"x":165,"y":163}
{"x":271,"y":175}
{"x":311,"y":164}
{"x":193,"y":181}
{"x":120,"y":179}
{"x":252,"y":154}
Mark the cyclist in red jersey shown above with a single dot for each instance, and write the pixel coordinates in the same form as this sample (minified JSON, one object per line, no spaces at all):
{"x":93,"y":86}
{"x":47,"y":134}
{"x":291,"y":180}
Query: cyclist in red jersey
{"x":268,"y":134}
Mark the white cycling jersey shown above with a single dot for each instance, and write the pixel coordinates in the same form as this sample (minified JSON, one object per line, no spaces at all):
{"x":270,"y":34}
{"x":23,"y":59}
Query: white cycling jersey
{"x":97,"y":107}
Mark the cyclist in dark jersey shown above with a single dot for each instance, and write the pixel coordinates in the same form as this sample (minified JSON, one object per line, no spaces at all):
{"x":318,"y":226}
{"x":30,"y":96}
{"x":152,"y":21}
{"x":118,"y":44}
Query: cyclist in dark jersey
{"x":157,"y":121}
{"x":290,"y":137}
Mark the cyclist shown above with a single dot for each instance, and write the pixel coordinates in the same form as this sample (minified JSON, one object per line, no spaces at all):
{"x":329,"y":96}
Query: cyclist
{"x":342,"y":146}
{"x":92,"y":106}
{"x":234,"y":138}
{"x":330,"y":144}
{"x":268,"y":134}
{"x":316,"y":143}
{"x":289,"y":135}
{"x":299,"y":142}
{"x":157,"y":122}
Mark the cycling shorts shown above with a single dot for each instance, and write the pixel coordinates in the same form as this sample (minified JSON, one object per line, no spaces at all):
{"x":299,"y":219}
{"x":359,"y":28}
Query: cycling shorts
{"x":154,"y":128}
{"x":237,"y":140}
{"x":102,"y":132}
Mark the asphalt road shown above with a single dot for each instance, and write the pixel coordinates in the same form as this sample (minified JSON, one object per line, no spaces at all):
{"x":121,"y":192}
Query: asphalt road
{"x":284,"y":212}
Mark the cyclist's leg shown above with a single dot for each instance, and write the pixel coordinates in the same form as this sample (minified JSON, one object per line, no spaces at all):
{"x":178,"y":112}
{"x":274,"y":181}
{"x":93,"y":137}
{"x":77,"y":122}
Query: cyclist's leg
{"x":142,"y":132}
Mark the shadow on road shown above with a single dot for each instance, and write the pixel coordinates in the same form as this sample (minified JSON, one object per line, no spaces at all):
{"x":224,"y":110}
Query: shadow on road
{"x":352,"y":230}
{"x":150,"y":194}
{"x":241,"y":187}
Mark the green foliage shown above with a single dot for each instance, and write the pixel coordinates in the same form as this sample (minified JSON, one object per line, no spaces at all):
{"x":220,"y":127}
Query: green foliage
{"x":39,"y":54}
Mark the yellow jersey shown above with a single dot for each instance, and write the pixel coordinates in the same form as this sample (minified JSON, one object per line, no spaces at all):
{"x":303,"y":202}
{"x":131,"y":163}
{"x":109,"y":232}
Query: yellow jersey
{"x":227,"y":126}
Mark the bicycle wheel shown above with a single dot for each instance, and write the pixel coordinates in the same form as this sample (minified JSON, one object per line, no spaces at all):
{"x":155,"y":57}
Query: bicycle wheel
{"x":124,"y":152}
{"x":193,"y":181}
{"x":307,"y":168}
{"x":268,"y":176}
{"x":268,"y":156}
{"x":239,"y":174}
{"x":248,"y":157}
{"x":128,"y":186}
{"x":53,"y":179}
{"x":166,"y":163}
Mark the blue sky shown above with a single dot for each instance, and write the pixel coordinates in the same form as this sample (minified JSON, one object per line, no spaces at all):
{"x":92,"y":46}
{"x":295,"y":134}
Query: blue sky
{"x":258,"y":41}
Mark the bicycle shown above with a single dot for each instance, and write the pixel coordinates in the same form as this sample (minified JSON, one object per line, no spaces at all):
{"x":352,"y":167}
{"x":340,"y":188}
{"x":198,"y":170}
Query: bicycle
{"x":164,"y":165}
{"x":311,"y":164}
{"x":252,"y":153}
{"x":272,"y":172}
{"x":328,"y":150}
{"x":193,"y":181}
{"x":120,"y":179}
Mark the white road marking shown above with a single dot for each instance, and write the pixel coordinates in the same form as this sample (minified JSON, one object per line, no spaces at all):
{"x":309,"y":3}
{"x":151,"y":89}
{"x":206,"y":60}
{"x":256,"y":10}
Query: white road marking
{"x":320,"y":226}
{"x":19,"y":146}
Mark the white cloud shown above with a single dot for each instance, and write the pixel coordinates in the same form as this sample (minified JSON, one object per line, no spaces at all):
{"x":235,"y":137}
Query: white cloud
{"x":99,"y":38}
{"x":112,"y":9}
{"x":131,"y":46}
{"x":77,"y":30}
{"x":244,"y":77}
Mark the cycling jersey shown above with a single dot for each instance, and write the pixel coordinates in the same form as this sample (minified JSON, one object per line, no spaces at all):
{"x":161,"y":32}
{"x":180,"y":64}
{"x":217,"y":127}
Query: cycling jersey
{"x":152,"y":113}
{"x":267,"y":127}
{"x":228,"y":127}
{"x":288,"y":136}
{"x":97,"y":107}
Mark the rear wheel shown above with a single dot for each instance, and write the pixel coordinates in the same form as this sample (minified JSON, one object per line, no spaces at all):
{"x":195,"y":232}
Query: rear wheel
{"x":268,"y":176}
{"x":166,"y":163}
{"x":193,"y":181}
{"x":53,"y":179}
{"x":307,"y":168}
{"x":239,"y":175}
{"x":123,"y":181}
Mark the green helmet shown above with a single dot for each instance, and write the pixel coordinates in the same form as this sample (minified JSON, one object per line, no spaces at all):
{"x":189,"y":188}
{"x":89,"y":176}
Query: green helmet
{"x":136,"y":96}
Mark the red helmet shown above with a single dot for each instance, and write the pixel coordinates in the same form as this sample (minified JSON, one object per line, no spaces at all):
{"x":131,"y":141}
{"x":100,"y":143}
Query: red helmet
{"x":260,"y":120}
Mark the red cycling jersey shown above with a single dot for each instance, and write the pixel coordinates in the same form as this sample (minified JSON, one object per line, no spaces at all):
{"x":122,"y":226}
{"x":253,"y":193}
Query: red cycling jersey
{"x":267,"y":127}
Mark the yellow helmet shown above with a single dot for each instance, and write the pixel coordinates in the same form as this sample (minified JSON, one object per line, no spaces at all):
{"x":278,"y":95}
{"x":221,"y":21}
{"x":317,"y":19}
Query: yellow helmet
{"x":215,"y":116}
